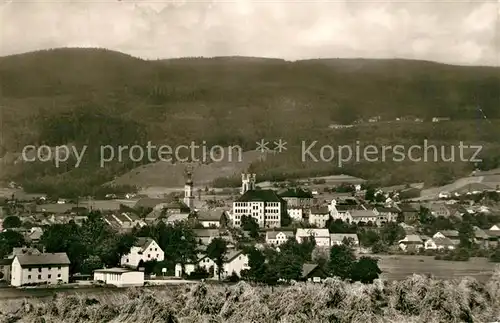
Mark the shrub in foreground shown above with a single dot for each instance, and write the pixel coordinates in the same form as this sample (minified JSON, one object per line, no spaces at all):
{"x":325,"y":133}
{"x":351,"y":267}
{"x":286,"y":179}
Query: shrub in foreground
{"x":415,"y":299}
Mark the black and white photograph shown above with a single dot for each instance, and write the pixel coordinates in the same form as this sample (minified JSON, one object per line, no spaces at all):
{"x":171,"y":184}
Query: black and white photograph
{"x":250,"y":161}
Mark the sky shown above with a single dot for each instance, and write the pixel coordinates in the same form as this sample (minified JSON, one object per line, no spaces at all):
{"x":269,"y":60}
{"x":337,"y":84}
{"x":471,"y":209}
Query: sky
{"x":453,"y":32}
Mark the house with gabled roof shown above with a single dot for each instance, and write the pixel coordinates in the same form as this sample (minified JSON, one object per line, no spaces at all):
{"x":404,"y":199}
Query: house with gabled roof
{"x":339,"y":238}
{"x":386,"y":214}
{"x":212,"y":218}
{"x":42,"y":268}
{"x":453,"y":235}
{"x":202,"y":261}
{"x":143,"y":250}
{"x":321,"y":236}
{"x":277,"y":238}
{"x":235,"y":261}
{"x":364,"y":216}
{"x":411,"y":242}
{"x":313,"y":272}
{"x":439,"y":243}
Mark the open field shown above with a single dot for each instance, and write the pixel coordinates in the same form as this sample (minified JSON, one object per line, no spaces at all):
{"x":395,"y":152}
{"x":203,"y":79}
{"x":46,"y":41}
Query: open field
{"x":399,"y":267}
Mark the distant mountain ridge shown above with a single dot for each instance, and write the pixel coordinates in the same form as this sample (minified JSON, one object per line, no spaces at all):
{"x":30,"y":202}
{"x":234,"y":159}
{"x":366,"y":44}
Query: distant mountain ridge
{"x":100,"y":97}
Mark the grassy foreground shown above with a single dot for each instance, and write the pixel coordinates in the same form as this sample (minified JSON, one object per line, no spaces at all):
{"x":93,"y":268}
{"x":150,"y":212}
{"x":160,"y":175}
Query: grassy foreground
{"x":415,"y":299}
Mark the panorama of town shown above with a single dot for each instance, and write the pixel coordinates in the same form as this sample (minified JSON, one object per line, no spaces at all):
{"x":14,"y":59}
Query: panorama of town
{"x":267,"y":232}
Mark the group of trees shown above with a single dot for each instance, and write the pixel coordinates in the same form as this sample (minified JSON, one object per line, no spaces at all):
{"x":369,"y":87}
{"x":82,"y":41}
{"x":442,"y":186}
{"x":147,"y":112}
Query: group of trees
{"x":89,"y":246}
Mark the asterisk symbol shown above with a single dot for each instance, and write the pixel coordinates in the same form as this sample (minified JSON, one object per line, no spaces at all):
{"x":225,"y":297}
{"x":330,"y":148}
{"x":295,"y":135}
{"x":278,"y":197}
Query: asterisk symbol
{"x":262,"y":146}
{"x":280,"y":145}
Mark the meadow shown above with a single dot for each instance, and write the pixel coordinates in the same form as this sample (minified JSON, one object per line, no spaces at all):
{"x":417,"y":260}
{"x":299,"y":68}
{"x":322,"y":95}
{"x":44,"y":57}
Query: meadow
{"x":398,"y":267}
{"x":415,"y":299}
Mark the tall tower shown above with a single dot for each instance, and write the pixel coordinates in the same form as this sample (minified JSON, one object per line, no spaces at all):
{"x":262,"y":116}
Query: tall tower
{"x":188,"y":189}
{"x":247,"y":182}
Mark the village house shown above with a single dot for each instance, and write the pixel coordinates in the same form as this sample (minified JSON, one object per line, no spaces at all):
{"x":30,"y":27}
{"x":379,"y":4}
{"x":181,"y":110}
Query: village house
{"x":145,"y":249}
{"x":364,"y":217}
{"x":409,"y":213}
{"x":318,"y":216}
{"x":123,"y":221}
{"x":453,"y":235}
{"x":386,"y":214}
{"x":235,"y":261}
{"x":339,"y":238}
{"x":202,"y":262}
{"x":119,"y":277}
{"x":481,"y":238}
{"x":33,"y":235}
{"x":321,"y":236}
{"x":295,"y":213}
{"x":298,"y":198}
{"x":265,"y":206}
{"x":411,"y":242}
{"x":439,"y":242}
{"x":43,"y":268}
{"x":341,"y":211}
{"x":212,"y":218}
{"x":175,"y":218}
{"x":313,"y":272}
{"x":438,"y":209}
{"x":205,"y":236}
{"x":494,"y":235}
{"x":277,"y":238}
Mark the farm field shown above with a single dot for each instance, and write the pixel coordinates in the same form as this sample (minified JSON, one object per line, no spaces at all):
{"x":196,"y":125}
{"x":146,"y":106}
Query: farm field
{"x":398,"y":267}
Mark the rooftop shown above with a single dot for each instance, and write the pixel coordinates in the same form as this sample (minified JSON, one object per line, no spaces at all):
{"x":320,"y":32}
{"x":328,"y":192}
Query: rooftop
{"x":115,"y":270}
{"x":43,"y":259}
{"x":296,"y":193}
{"x":259,"y":196}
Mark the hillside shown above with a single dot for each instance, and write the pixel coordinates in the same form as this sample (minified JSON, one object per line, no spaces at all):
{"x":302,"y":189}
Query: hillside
{"x":100,"y":97}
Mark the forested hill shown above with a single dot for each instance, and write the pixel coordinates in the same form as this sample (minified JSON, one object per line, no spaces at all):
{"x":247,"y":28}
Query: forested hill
{"x":96,"y":95}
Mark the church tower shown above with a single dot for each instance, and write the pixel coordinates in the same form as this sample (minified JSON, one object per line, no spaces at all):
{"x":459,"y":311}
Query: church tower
{"x":188,"y":189}
{"x":247,"y":183}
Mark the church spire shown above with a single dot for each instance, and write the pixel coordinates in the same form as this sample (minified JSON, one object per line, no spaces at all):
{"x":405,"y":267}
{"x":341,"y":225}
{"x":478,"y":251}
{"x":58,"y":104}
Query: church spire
{"x":188,"y":188}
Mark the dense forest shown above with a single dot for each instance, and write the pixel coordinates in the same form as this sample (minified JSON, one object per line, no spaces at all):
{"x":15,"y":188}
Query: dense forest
{"x":98,"y":97}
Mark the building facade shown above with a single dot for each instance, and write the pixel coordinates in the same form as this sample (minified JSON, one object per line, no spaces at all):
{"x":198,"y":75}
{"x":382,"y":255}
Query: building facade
{"x":265,"y":206}
{"x":145,"y":249}
{"x":119,"y":277}
{"x":43,"y":268}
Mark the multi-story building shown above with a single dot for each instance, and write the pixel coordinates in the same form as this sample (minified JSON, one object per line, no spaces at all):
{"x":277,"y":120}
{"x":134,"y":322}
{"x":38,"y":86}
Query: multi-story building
{"x":298,"y":198}
{"x":42,"y":268}
{"x":145,"y":249}
{"x":364,"y":216}
{"x":295,"y":213}
{"x":265,"y":206}
{"x":318,"y":216}
{"x":386,"y":214}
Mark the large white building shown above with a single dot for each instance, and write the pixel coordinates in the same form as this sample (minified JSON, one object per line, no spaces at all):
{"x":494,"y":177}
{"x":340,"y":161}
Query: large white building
{"x":321,"y":236}
{"x":145,"y":249}
{"x":119,"y":277}
{"x":265,"y":206}
{"x":43,"y":268}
